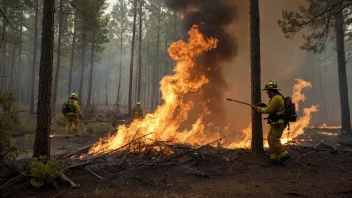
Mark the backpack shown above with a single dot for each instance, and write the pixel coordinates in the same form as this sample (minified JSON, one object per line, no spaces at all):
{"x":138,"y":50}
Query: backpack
{"x":65,"y":109}
{"x":290,"y":110}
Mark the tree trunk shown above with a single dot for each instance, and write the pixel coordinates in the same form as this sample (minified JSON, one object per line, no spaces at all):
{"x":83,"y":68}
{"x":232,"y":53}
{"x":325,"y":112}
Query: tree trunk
{"x":91,"y":74}
{"x":42,"y":140}
{"x":106,"y":89}
{"x":120,"y":73}
{"x":19,"y":65}
{"x":257,"y":131}
{"x":132,"y":56}
{"x":147,"y":71}
{"x":12,"y":67}
{"x":156,"y":69}
{"x":72,"y":58}
{"x":83,"y":56}
{"x":34,"y":56}
{"x":140,"y":51}
{"x":341,"y":64}
{"x":3,"y":42}
{"x":57,"y":72}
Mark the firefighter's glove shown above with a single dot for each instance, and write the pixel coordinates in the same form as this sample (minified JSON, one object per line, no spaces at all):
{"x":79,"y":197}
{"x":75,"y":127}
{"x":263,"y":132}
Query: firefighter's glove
{"x":261,"y":104}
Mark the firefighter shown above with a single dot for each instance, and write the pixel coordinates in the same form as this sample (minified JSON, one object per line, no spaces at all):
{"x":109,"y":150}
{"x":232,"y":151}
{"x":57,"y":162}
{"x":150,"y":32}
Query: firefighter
{"x":276,"y":110}
{"x":73,"y":114}
{"x":137,"y":111}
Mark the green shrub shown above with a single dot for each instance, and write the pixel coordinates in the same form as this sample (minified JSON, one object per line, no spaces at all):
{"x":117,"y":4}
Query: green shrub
{"x":44,"y":173}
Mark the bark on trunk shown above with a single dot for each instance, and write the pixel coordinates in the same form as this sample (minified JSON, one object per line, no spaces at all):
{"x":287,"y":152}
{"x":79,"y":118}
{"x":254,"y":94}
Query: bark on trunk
{"x":120,"y":73}
{"x":83,"y":55}
{"x":42,"y":140}
{"x":34,"y":56}
{"x":18,"y":77}
{"x":132,"y":56}
{"x":57,"y":72}
{"x":140,"y":51}
{"x":72,"y":58}
{"x":257,"y":132}
{"x":106,"y":89}
{"x":91,"y":73}
{"x":341,"y":63}
{"x":3,"y":63}
{"x":12,"y":67}
{"x":156,"y":69}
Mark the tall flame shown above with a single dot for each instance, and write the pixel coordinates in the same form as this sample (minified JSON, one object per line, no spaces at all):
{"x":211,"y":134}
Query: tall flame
{"x":297,"y":96}
{"x":166,"y":121}
{"x":297,"y":128}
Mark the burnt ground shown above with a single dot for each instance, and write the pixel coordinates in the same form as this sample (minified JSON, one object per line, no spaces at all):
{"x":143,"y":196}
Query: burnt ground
{"x":322,"y":171}
{"x":311,"y":172}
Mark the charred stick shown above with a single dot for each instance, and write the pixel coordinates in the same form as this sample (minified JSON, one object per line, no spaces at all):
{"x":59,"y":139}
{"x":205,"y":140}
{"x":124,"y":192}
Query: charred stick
{"x":129,"y":146}
{"x":100,"y":156}
{"x":180,"y":155}
{"x":101,"y":178}
{"x":73,"y":185}
{"x":9,"y":182}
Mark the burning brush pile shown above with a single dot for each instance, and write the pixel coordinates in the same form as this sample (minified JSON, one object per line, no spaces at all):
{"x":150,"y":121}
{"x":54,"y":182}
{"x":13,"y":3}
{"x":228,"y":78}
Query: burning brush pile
{"x":193,"y":95}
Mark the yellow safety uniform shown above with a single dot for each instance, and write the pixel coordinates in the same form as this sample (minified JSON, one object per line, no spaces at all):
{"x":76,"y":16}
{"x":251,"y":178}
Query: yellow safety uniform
{"x":137,"y":112}
{"x":276,"y":109}
{"x":73,"y":116}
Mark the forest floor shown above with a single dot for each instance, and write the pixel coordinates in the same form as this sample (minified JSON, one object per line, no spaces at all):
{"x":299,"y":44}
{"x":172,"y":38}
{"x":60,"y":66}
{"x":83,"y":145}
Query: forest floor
{"x":312,"y":171}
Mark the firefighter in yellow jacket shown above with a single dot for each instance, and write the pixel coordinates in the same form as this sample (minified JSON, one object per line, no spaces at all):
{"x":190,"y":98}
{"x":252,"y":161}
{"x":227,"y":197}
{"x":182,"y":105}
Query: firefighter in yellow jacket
{"x":137,"y":111}
{"x":276,"y":110}
{"x":73,"y":114}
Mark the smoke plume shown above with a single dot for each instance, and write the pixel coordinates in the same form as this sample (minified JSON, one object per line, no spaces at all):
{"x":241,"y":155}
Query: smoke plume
{"x":212,"y":17}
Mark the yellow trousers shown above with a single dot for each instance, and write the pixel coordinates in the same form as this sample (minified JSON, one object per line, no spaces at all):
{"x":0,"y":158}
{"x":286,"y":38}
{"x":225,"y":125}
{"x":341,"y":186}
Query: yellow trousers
{"x":277,"y":151}
{"x":69,"y":120}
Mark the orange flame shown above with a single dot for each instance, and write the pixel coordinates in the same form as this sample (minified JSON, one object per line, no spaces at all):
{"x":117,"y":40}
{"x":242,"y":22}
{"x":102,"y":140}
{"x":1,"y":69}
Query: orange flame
{"x":297,"y":96}
{"x":166,"y":121}
{"x":324,"y":126}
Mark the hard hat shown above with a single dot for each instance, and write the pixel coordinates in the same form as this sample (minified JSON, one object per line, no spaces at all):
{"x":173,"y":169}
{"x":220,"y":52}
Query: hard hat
{"x":271,"y":85}
{"x":138,"y":103}
{"x":74,"y":95}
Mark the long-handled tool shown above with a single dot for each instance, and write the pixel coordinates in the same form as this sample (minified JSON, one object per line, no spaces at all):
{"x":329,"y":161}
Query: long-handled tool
{"x":232,"y":100}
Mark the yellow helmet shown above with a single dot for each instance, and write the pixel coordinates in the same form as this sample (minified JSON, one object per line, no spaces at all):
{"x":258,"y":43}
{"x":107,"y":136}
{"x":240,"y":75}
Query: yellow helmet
{"x":74,"y":95}
{"x":271,"y":85}
{"x":138,"y":103}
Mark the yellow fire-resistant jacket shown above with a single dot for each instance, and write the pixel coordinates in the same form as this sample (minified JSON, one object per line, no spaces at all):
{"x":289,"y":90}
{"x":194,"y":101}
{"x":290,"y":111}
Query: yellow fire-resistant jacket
{"x":75,"y":106}
{"x":276,"y":106}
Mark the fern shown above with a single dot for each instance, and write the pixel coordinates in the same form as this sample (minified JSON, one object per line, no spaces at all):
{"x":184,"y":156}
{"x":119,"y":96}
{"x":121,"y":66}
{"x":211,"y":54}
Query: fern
{"x":45,"y":173}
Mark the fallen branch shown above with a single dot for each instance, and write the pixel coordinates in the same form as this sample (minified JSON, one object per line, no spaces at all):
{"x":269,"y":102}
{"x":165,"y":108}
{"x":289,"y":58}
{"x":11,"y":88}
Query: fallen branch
{"x":75,"y":151}
{"x":101,"y":178}
{"x":190,"y":151}
{"x":129,"y":146}
{"x":73,"y":185}
{"x":100,"y":156}
{"x":9,"y":182}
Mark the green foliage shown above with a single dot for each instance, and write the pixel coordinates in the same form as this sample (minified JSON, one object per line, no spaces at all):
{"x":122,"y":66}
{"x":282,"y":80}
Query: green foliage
{"x":317,"y":19}
{"x":8,"y":121}
{"x":44,"y":173}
